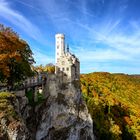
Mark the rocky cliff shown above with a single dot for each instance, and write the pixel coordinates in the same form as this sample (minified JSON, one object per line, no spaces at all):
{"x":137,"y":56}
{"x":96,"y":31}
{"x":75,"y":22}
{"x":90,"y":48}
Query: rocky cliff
{"x":13,"y":114}
{"x":63,"y":115}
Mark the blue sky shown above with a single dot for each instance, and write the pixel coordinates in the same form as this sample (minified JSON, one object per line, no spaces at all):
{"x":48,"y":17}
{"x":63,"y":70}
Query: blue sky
{"x":104,"y":34}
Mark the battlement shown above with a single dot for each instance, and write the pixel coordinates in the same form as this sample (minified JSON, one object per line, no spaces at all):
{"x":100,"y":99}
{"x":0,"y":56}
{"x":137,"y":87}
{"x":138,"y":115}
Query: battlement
{"x":59,"y":35}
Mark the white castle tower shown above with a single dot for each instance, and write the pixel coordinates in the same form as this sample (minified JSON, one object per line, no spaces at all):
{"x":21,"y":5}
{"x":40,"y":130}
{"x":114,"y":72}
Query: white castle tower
{"x":66,"y":62}
{"x":60,"y":46}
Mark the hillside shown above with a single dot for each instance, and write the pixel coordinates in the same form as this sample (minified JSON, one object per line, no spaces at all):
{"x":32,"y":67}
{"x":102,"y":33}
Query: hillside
{"x":114,"y":103}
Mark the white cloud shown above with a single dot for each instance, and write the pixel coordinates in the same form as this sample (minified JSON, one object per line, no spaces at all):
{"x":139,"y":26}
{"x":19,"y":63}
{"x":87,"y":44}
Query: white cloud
{"x":42,"y":58}
{"x":86,"y":55}
{"x":109,"y":43}
{"x":28,"y":5}
{"x":18,"y":19}
{"x":129,"y":45}
{"x":92,"y":41}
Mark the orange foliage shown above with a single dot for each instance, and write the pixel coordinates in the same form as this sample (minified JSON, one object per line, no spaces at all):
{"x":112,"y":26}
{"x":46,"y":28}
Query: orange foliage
{"x":113,"y":101}
{"x":13,"y":52}
{"x":128,"y":120}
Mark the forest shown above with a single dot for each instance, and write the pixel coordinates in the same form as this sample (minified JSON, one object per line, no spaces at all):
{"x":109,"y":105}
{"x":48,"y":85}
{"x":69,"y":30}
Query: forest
{"x":113,"y":101}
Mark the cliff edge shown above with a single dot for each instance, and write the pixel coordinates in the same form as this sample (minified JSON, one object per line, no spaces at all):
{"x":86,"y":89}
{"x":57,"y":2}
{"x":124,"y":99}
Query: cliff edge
{"x":62,"y":115}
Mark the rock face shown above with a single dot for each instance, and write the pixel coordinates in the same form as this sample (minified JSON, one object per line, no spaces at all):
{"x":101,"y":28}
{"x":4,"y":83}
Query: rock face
{"x":12,"y":121}
{"x":64,"y":115}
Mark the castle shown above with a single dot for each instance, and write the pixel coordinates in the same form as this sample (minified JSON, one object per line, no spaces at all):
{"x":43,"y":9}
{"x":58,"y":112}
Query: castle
{"x":65,"y":62}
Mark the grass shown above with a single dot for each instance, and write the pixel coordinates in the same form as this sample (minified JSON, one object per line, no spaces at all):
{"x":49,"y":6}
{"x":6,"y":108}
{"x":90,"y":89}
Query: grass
{"x":30,"y":95}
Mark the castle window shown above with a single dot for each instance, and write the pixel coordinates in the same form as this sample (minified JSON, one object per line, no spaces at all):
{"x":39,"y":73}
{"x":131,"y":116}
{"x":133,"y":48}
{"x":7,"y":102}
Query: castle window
{"x":63,"y":69}
{"x":57,"y":53}
{"x":57,"y":47}
{"x":63,"y":63}
{"x":67,"y":69}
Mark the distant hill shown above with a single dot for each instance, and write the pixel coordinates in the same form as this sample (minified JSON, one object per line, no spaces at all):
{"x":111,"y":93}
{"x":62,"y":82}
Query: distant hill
{"x":135,"y":76}
{"x":114,"y":103}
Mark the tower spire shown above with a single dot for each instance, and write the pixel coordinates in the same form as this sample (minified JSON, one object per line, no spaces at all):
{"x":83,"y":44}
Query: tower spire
{"x":67,"y":47}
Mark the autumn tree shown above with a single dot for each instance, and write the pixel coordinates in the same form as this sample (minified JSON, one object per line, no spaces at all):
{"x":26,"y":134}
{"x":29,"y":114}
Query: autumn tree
{"x":113,"y":101}
{"x":15,"y":57}
{"x":48,"y":68}
{"x":39,"y":69}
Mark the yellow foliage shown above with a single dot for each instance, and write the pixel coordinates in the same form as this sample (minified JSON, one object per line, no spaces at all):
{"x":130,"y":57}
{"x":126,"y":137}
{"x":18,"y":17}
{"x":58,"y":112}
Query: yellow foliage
{"x":115,"y":129}
{"x":113,"y":97}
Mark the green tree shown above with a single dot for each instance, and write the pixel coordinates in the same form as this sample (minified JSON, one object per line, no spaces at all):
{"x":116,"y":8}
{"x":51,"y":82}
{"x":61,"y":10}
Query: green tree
{"x":15,"y":57}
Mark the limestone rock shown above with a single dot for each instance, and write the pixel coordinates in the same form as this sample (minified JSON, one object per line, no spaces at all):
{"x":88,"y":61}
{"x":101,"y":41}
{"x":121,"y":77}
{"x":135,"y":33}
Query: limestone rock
{"x":64,"y":115}
{"x":12,"y":124}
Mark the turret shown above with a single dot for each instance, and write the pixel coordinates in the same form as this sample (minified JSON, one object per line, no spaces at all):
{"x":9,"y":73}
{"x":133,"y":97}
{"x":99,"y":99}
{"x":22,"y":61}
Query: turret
{"x":67,"y":47}
{"x":59,"y":46}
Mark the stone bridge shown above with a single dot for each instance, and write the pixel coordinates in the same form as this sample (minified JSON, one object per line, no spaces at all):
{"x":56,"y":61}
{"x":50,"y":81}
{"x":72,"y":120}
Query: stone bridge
{"x":35,"y":82}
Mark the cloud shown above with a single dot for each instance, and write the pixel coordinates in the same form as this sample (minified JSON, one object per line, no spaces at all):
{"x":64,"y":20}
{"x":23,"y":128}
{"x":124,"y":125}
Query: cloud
{"x":42,"y":58}
{"x":100,"y":37}
{"x":28,"y":5}
{"x":95,"y":31}
{"x":109,"y":42}
{"x":18,"y":20}
{"x":127,"y":44}
{"x":100,"y":55}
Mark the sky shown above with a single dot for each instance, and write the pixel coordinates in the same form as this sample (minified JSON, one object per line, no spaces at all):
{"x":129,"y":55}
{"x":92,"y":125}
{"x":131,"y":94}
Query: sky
{"x":103,"y":34}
